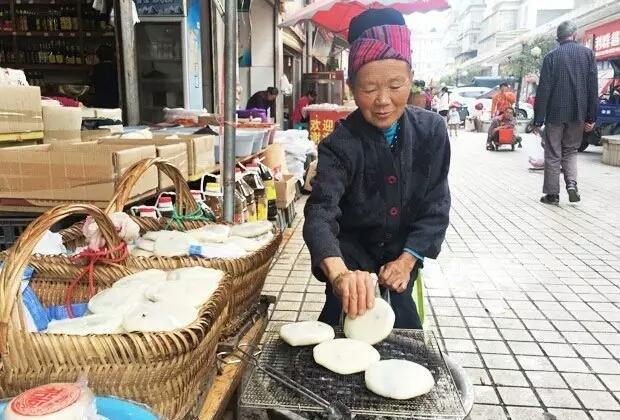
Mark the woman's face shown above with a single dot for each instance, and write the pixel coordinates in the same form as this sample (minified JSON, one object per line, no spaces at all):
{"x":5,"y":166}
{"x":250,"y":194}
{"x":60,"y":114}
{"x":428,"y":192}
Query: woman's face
{"x":381,"y":91}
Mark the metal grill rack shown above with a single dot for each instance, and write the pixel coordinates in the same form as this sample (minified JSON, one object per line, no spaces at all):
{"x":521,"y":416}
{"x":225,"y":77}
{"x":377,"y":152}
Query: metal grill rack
{"x":297,"y":363}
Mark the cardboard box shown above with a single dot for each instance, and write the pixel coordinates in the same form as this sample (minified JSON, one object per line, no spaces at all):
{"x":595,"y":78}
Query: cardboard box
{"x":71,"y":172}
{"x":20,"y":109}
{"x":275,"y":158}
{"x":61,"y":124}
{"x":199,"y":149}
{"x":92,"y":135}
{"x":176,"y":154}
{"x":285,"y":191}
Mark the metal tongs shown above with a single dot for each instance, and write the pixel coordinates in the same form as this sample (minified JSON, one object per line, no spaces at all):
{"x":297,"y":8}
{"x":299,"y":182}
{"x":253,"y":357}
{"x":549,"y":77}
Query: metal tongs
{"x":334,"y":411}
{"x":385,"y":296}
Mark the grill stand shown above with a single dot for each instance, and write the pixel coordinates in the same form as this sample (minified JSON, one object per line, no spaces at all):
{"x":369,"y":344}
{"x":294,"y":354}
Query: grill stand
{"x":333,"y":411}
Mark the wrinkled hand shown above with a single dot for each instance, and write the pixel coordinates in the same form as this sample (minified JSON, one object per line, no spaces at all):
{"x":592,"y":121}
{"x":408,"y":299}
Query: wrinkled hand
{"x":536,"y":130}
{"x":396,"y":275}
{"x":589,"y":127}
{"x":356,"y":292}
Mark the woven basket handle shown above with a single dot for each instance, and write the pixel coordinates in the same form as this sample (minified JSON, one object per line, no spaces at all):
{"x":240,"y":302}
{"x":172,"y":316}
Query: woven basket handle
{"x":18,"y":256}
{"x":185,"y":202}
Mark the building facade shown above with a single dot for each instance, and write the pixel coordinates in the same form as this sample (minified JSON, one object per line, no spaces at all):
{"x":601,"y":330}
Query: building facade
{"x":429,"y":57}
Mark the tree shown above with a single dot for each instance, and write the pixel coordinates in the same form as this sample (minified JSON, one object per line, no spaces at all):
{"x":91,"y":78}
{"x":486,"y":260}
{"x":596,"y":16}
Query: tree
{"x":448,"y":80}
{"x":525,"y":60}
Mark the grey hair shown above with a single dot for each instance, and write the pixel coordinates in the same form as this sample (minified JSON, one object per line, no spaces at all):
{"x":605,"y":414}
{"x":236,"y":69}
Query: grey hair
{"x":566,"y":29}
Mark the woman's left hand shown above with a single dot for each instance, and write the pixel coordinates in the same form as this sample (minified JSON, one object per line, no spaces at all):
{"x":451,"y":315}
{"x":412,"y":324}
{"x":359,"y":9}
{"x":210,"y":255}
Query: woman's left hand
{"x":396,"y":275}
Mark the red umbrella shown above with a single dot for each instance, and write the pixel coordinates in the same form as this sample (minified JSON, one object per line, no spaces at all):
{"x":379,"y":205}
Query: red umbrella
{"x":335,"y":15}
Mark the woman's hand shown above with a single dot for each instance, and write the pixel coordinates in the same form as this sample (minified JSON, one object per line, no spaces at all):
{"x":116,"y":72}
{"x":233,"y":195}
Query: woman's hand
{"x":396,"y":275}
{"x":356,"y":292}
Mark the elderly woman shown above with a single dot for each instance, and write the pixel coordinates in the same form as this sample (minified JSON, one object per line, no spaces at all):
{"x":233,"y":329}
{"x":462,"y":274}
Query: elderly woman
{"x":380,"y":198}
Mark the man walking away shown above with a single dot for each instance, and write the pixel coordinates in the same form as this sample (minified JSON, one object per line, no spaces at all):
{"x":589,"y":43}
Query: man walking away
{"x":566,"y":102}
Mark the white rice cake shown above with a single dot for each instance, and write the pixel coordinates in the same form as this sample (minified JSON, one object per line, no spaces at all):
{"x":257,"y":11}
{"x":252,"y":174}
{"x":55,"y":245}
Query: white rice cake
{"x":398,"y":379}
{"x":252,"y":229}
{"x":211,"y":233}
{"x":117,"y":300}
{"x":87,"y":324}
{"x":138,"y":252}
{"x":172,"y":244}
{"x":145,"y":244}
{"x":372,"y":327}
{"x":146,"y":277}
{"x":159,"y":317}
{"x":345,"y":356}
{"x":306,"y":333}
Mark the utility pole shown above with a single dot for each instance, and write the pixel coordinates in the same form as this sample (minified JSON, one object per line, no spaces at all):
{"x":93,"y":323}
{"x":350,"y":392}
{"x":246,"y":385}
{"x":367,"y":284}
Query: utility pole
{"x":130,"y":68}
{"x":230,"y":103}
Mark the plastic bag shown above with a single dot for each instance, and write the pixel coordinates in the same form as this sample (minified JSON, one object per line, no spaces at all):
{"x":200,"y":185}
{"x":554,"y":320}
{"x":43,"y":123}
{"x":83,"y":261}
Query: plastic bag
{"x":61,"y":400}
{"x":537,"y":158}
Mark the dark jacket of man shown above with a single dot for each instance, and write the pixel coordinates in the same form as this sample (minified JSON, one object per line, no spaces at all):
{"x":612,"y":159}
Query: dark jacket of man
{"x":105,"y":82}
{"x":373,"y":199}
{"x":568,"y":88}
{"x":260,"y":100}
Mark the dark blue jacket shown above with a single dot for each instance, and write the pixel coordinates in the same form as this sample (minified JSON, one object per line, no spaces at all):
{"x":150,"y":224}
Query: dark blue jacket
{"x":383,"y":198}
{"x":568,"y":87}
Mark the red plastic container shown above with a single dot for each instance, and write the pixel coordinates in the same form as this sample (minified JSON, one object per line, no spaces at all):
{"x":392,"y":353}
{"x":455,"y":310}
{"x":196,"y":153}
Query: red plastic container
{"x":505,"y":136}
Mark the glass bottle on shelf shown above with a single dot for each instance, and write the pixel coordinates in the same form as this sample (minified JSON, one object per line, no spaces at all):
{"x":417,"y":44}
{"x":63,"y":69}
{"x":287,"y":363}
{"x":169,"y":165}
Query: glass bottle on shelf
{"x":69,"y":57}
{"x":78,"y":56}
{"x":51,"y":57}
{"x":60,"y":57}
{"x":75,"y":21}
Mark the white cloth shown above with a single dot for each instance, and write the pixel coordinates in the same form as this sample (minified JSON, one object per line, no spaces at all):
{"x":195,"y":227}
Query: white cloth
{"x":443,"y":103}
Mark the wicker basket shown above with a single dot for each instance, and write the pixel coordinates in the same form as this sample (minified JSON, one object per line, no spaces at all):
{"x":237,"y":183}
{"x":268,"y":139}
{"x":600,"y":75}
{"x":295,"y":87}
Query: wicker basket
{"x":167,"y":371}
{"x":248,"y":273}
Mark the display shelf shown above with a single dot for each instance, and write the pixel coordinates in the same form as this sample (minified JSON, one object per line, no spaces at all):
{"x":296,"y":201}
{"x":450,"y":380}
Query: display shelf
{"x":43,"y":2}
{"x":54,"y":34}
{"x":99,"y":34}
{"x":79,"y":30}
{"x":77,"y":67}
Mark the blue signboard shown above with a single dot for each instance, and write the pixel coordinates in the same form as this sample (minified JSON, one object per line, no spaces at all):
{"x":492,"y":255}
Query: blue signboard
{"x":194,"y":55}
{"x":160,"y":7}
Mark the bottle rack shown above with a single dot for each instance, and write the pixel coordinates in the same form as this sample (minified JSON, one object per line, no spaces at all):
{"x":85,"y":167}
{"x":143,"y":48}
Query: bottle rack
{"x":51,"y":35}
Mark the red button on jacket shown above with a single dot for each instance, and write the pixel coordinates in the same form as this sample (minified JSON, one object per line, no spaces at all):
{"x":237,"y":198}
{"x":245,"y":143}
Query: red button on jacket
{"x":394,"y":211}
{"x":392,"y":179}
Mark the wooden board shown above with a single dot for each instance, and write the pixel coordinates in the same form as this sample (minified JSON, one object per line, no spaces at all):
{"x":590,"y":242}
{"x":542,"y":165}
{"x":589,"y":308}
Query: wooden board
{"x":226,"y":383}
{"x":19,"y":137}
{"x":41,"y":206}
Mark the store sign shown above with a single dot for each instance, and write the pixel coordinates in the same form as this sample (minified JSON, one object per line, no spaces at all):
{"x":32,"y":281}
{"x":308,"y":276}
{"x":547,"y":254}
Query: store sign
{"x":322,"y":123}
{"x":160,"y":7}
{"x":604,"y":40}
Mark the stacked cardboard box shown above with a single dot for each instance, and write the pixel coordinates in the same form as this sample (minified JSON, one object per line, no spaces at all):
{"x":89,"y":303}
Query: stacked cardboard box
{"x":71,"y":172}
{"x":20,"y":109}
{"x":199,"y":150}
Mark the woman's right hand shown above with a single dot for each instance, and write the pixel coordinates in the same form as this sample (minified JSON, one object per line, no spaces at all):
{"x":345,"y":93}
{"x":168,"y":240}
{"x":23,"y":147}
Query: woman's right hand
{"x":356,"y":292}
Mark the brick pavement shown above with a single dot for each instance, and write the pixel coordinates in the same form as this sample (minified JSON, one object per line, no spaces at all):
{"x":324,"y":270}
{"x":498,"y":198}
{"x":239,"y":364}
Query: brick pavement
{"x":525,"y":297}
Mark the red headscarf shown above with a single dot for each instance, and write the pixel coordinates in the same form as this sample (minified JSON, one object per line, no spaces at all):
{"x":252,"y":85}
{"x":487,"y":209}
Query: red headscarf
{"x":380,"y":43}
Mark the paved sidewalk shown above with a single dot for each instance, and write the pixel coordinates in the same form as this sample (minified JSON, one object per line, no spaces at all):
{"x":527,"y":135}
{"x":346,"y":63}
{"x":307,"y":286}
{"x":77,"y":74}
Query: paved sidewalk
{"x":525,"y":297}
